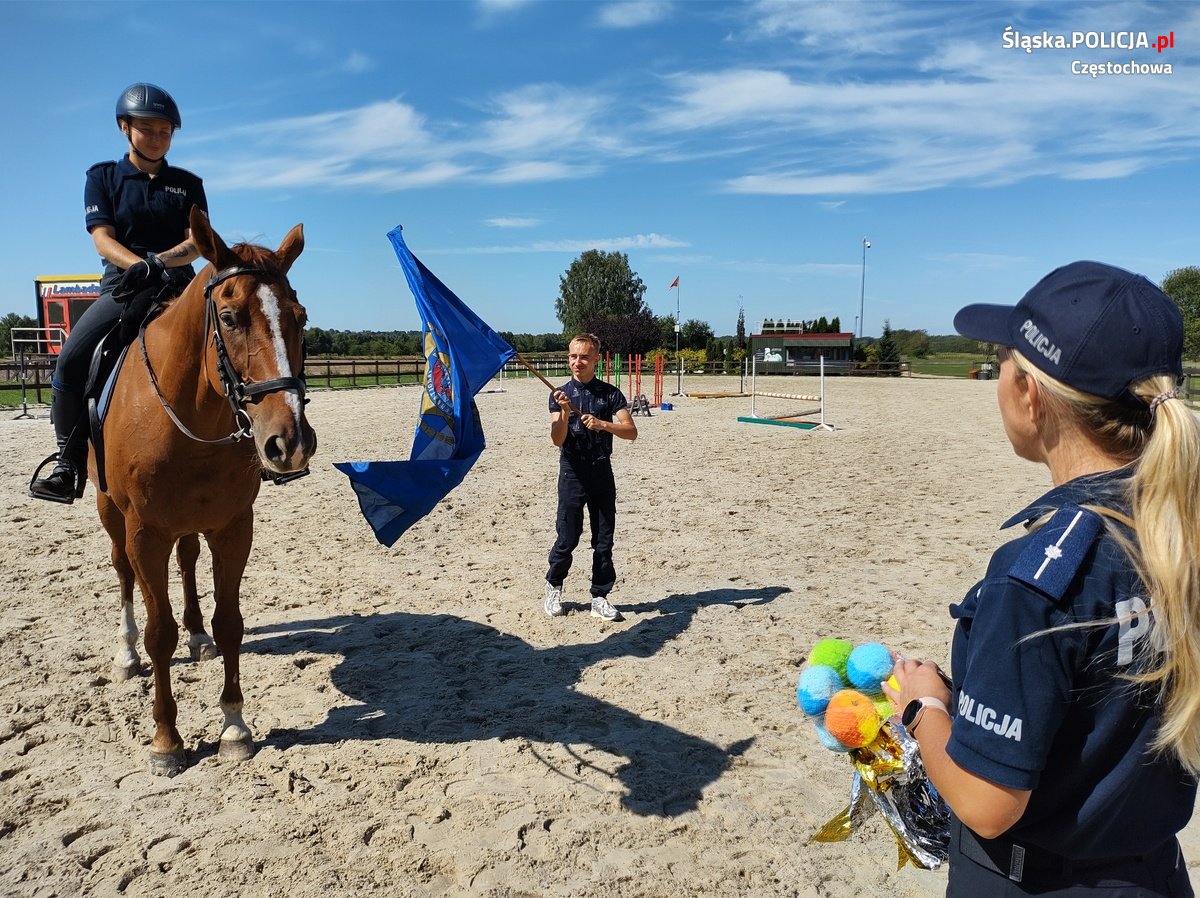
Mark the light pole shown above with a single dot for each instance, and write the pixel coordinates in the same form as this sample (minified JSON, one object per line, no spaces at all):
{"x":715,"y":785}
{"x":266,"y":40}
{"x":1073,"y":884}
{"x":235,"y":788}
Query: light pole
{"x":678,"y":357}
{"x":862,"y":290}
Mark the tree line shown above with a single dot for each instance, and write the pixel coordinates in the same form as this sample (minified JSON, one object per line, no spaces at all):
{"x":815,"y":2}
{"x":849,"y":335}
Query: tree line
{"x":601,"y":294}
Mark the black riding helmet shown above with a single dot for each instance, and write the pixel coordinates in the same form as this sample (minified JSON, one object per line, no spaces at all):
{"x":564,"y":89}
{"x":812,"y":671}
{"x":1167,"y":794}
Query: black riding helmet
{"x":144,"y":100}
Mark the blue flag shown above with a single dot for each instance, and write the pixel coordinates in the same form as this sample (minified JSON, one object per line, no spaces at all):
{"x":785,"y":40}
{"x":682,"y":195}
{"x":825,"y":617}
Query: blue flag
{"x":461,"y":355}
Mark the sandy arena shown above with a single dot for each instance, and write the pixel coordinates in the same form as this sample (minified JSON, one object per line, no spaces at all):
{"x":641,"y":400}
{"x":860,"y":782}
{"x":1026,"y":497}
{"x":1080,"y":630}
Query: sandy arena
{"x":423,"y":729}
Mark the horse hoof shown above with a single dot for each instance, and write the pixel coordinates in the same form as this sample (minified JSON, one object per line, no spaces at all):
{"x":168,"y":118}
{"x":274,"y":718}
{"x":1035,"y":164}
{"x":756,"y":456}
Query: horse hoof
{"x":206,"y":652}
{"x":236,"y":749}
{"x":203,"y":649}
{"x":167,"y":765}
{"x":124,"y":672}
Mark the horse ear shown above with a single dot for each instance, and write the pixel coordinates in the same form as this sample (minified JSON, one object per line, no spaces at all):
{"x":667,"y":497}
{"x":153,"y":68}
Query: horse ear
{"x":292,"y":246}
{"x":208,"y":241}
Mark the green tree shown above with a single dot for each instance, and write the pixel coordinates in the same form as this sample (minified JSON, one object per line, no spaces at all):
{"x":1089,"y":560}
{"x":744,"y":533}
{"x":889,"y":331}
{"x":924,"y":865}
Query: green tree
{"x":7,"y":323}
{"x":887,"y":353}
{"x":695,"y":334}
{"x":666,"y":331}
{"x":627,"y":334}
{"x":597,"y":285}
{"x":1183,"y":286}
{"x":912,"y":343}
{"x":739,"y":340}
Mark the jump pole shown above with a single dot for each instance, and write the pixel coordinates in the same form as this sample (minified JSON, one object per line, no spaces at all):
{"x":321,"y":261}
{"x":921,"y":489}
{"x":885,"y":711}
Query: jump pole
{"x":805,"y":425}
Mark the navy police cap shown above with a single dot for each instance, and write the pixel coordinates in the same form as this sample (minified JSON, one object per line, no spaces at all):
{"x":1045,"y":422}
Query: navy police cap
{"x":1096,"y":328}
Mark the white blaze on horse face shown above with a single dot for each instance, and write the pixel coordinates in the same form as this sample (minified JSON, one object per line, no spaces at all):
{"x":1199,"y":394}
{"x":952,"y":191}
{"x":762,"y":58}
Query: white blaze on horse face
{"x":270,"y":308}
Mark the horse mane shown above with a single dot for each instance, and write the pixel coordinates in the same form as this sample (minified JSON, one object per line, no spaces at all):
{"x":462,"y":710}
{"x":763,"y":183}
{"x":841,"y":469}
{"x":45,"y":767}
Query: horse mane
{"x":253,"y":254}
{"x":250,"y":255}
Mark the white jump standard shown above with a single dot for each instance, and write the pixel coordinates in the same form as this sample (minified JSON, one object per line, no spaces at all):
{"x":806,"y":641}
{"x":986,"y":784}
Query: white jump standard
{"x":792,"y":419}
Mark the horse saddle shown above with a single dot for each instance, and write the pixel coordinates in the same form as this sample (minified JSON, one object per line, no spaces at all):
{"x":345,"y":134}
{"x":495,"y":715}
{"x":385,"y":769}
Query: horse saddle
{"x":141,"y":302}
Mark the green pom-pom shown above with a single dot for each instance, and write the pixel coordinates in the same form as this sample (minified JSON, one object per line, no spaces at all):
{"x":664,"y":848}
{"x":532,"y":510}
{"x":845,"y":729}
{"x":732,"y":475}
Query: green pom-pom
{"x":832,"y":653}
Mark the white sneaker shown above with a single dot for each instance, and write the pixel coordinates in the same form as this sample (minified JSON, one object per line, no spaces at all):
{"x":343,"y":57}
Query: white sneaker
{"x":553,"y":604}
{"x":603,"y":609}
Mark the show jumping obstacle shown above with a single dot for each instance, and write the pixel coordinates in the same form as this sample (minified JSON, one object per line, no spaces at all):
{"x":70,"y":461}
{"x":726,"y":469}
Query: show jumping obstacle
{"x":792,"y":419}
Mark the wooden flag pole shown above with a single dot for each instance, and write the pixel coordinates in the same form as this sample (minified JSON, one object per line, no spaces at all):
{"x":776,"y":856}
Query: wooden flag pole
{"x":538,"y":374}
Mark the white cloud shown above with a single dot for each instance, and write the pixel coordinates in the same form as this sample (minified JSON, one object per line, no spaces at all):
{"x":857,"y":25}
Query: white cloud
{"x":543,"y":118}
{"x":607,"y":244}
{"x":634,"y":13}
{"x":513,"y":221}
{"x":841,"y":99}
{"x":357,"y":63}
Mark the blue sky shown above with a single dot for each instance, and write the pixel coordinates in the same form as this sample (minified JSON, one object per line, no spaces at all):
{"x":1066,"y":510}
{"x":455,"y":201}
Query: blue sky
{"x":747,"y":148}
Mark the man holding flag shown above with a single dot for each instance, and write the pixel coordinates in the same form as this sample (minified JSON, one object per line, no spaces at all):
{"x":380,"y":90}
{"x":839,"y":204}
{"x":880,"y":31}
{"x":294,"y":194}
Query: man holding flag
{"x":585,"y":415}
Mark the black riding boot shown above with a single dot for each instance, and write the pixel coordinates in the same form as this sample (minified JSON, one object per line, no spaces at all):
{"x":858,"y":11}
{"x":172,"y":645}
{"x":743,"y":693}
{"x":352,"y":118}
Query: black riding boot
{"x":66,"y":482}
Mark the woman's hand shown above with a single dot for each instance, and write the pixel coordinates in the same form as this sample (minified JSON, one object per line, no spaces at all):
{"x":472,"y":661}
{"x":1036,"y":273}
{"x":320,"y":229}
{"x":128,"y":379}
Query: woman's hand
{"x":917,"y":679}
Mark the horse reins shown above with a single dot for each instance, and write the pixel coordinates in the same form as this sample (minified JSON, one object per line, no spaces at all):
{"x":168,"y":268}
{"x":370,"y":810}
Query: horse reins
{"x":236,"y":390}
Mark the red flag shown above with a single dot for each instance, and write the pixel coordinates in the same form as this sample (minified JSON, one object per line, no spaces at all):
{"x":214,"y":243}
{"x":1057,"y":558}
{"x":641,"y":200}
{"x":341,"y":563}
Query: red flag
{"x":674,"y":283}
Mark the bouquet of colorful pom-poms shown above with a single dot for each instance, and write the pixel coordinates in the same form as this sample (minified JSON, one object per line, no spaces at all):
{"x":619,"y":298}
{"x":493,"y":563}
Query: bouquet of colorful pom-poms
{"x":841,"y":691}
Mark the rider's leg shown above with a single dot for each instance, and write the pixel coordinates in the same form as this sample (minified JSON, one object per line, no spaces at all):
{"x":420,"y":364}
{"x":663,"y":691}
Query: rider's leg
{"x":65,"y":482}
{"x":68,"y":406}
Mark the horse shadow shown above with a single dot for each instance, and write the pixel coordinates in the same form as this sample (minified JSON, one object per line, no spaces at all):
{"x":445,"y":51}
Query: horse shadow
{"x":441,"y":679}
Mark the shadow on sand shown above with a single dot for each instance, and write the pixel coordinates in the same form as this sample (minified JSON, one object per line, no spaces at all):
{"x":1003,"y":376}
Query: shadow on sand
{"x":441,"y":679}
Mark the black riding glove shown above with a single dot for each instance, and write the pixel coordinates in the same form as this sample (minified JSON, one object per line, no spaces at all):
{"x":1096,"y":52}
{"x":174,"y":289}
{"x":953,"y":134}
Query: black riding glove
{"x":148,"y":274}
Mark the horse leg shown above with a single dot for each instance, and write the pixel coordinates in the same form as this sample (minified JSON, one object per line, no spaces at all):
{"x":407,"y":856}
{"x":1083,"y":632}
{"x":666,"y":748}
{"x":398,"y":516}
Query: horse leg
{"x":150,"y":554}
{"x":126,"y":663}
{"x":200,"y":644}
{"x":230,"y":551}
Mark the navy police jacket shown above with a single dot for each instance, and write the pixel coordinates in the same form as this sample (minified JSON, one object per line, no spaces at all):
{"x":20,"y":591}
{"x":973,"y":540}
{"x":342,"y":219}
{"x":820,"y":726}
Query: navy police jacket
{"x":1041,"y":704}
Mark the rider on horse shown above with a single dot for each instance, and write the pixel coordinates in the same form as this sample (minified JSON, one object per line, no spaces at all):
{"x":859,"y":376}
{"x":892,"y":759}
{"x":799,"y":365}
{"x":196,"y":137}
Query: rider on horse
{"x":137,"y":213}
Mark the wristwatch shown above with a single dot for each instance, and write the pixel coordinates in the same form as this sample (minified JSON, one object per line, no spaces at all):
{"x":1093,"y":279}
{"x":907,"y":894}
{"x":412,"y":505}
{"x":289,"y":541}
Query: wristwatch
{"x":915,"y":710}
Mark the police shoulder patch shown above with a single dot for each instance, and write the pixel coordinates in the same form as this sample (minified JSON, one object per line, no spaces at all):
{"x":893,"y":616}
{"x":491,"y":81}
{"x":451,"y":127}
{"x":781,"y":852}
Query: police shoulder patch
{"x":1053,"y":554}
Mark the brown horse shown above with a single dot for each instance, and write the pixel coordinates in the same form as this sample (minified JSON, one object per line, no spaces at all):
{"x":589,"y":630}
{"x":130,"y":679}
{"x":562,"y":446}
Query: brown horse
{"x":209,"y":403}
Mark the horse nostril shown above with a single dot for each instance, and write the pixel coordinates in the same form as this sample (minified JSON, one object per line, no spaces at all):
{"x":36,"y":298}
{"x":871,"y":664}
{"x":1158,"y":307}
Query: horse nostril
{"x":275,"y":449}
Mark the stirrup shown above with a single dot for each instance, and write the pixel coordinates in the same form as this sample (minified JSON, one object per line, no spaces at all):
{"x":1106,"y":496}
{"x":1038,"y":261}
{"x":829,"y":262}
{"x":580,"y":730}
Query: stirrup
{"x":77,"y":485}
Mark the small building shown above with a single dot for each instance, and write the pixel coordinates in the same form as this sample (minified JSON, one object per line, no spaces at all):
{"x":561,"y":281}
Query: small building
{"x":785,"y":347}
{"x":61,"y":300}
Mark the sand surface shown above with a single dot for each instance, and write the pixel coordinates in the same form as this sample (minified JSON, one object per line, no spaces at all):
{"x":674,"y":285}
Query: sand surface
{"x":424,"y":729}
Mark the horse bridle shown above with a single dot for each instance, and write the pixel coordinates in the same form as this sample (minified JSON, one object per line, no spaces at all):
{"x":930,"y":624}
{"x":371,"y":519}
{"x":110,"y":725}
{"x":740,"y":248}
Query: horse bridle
{"x":236,"y":390}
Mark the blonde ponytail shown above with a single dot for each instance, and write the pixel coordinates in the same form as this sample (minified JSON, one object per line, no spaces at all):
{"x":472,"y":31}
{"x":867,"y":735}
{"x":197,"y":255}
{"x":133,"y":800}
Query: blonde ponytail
{"x":1162,"y":444}
{"x":1166,"y":514}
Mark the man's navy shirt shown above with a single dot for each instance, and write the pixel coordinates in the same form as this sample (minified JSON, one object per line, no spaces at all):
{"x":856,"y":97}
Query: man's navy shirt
{"x":1050,"y":711}
{"x":148,"y":215}
{"x":599,"y":399}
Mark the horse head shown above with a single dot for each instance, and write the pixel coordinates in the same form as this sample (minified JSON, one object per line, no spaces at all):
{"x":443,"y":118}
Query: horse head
{"x":257,"y":327}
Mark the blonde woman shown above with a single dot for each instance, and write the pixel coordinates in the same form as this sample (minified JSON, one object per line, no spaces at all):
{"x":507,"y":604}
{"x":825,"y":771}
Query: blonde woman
{"x":1069,"y":743}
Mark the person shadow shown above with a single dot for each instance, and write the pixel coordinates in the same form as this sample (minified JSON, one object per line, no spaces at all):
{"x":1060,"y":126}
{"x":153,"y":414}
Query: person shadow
{"x":436,"y":678}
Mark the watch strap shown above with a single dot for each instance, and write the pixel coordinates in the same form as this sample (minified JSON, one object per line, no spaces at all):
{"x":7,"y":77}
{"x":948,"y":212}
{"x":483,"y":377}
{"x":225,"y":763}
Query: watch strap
{"x":925,"y":702}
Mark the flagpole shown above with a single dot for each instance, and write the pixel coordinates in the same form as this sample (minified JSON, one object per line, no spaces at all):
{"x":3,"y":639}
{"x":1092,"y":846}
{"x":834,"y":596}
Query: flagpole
{"x":538,"y":374}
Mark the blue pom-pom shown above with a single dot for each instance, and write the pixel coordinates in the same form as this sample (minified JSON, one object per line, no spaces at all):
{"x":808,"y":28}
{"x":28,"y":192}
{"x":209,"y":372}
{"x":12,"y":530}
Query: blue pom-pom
{"x":816,"y":685}
{"x":868,"y":666}
{"x":827,"y":738}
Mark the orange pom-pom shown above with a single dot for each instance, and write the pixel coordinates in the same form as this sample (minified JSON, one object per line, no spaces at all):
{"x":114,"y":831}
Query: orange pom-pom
{"x":851,"y":718}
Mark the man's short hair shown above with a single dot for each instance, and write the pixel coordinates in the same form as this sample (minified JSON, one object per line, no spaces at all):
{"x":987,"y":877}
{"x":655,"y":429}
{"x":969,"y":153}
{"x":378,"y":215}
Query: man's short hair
{"x":587,"y":338}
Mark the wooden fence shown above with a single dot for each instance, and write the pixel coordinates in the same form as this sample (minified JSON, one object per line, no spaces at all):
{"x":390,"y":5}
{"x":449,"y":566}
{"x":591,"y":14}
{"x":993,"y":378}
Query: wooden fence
{"x":33,"y":374}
